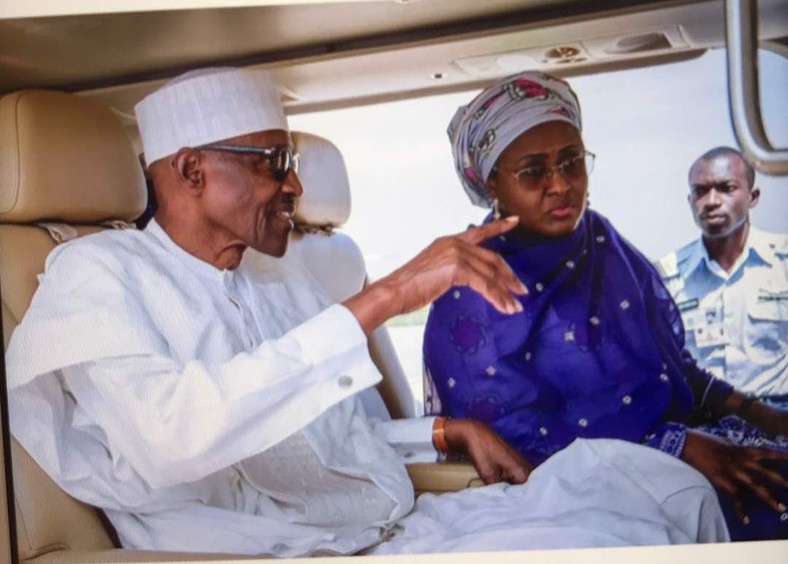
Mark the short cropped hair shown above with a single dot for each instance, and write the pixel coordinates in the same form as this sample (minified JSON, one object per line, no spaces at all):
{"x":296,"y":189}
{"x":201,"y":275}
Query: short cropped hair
{"x":723,"y":151}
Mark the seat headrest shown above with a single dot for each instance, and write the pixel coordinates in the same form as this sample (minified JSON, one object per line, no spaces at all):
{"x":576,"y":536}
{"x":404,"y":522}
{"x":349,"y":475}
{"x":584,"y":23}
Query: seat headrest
{"x":326,"y":198}
{"x":65,"y":158}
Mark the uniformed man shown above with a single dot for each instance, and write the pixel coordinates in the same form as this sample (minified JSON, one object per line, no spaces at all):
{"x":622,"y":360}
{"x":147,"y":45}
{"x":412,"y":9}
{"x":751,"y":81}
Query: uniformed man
{"x":731,"y":285}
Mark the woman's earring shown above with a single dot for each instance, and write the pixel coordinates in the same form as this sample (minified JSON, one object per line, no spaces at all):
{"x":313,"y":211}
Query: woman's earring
{"x":496,"y":209}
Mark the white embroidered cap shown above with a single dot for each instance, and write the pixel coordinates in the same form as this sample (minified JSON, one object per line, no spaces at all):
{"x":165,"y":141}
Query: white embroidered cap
{"x":205,"y":106}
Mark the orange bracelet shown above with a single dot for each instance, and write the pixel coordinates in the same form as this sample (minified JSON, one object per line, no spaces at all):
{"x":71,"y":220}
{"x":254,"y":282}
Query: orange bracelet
{"x":439,"y":434}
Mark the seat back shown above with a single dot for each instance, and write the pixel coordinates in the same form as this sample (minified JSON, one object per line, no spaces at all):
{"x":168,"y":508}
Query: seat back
{"x":67,"y":166}
{"x":335,"y":260}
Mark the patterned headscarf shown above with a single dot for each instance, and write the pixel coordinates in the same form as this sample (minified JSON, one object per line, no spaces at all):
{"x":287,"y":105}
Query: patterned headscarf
{"x":481,"y":131}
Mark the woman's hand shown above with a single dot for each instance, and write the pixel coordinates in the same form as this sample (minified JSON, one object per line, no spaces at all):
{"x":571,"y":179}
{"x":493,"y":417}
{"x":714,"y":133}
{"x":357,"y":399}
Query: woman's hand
{"x":495,"y":461}
{"x":733,"y":469}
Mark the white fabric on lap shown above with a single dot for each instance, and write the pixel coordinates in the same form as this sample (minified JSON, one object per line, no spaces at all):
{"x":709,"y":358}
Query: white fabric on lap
{"x":594,"y":493}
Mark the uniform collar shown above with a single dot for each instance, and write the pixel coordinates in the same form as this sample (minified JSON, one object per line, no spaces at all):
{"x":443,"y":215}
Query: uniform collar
{"x":698,"y":255}
{"x":759,"y":243}
{"x":757,"y":246}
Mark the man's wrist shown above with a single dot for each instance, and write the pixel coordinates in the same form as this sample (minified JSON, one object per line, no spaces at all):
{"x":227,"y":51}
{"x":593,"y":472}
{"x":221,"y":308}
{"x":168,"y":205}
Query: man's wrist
{"x":374,"y":305}
{"x":439,"y":434}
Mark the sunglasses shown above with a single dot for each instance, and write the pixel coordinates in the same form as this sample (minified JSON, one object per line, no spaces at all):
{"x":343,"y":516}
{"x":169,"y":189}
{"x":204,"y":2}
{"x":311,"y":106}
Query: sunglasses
{"x":282,"y":159}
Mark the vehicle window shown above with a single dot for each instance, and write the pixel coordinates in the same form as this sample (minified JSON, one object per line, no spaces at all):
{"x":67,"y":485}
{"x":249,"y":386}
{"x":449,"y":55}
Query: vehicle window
{"x":646,"y":126}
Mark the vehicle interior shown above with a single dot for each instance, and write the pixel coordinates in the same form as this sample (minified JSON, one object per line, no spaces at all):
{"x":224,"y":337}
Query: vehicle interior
{"x":70,"y":150}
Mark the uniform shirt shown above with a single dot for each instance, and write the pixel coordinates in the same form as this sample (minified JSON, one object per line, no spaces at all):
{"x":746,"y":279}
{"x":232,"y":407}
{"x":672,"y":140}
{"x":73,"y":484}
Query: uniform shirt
{"x":736,"y":323}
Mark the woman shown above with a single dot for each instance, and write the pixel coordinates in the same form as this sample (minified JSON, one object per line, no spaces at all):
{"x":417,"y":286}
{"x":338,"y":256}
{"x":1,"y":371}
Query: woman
{"x":599,"y":349}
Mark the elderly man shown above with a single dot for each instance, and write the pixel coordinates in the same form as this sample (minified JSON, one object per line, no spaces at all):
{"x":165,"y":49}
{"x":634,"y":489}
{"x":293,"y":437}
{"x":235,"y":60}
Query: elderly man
{"x":731,"y":285}
{"x":204,"y":394}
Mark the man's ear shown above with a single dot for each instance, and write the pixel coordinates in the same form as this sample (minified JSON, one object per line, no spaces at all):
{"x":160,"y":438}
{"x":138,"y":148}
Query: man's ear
{"x":755,"y":195}
{"x":188,"y":165}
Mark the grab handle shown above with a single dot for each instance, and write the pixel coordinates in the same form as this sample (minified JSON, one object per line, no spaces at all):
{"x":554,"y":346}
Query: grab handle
{"x":741,"y":29}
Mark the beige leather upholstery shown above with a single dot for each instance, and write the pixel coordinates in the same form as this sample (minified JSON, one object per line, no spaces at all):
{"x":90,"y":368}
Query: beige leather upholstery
{"x":334,"y":259}
{"x":65,"y":157}
{"x":443,"y":477}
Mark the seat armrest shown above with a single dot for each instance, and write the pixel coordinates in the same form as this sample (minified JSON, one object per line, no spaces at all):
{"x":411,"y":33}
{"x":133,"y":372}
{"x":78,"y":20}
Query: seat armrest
{"x":442,"y":477}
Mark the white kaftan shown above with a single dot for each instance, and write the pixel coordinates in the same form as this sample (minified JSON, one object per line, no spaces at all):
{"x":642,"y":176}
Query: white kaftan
{"x":219,"y":411}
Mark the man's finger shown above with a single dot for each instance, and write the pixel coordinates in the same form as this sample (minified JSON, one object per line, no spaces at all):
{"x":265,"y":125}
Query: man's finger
{"x":476,"y":235}
{"x":489,"y":474}
{"x":500,"y":298}
{"x":481,"y":277}
{"x":519,"y":475}
{"x":499,"y":269}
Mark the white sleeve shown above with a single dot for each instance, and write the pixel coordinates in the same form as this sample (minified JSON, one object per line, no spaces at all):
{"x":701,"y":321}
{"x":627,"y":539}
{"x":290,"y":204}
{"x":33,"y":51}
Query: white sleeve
{"x":410,"y":438}
{"x":179,"y":424}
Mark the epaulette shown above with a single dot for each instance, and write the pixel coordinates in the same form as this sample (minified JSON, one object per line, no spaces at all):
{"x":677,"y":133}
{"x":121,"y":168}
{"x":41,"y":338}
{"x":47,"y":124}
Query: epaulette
{"x":668,"y":266}
{"x":778,"y":244}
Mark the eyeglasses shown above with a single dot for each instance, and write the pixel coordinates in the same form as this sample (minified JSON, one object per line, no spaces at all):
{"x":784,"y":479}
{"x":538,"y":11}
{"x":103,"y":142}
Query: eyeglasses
{"x":282,"y":159}
{"x":572,"y":168}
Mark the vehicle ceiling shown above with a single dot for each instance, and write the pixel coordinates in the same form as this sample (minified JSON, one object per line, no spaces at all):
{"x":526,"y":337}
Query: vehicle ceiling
{"x":339,"y":54}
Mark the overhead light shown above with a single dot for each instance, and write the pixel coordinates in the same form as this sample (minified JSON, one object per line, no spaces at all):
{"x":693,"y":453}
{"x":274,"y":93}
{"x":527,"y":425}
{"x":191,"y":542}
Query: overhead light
{"x":638,"y":43}
{"x":515,"y":62}
{"x":651,"y":41}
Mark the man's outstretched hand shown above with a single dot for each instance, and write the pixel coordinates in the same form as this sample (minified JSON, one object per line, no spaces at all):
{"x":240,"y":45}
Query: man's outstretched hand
{"x":456,"y":260}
